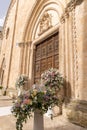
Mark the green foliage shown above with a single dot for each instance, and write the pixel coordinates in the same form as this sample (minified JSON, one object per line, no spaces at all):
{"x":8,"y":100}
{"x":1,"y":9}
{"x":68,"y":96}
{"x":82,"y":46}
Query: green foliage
{"x":30,"y":102}
{"x":1,"y":87}
{"x":21,"y":81}
{"x":37,"y":98}
{"x":52,"y":79}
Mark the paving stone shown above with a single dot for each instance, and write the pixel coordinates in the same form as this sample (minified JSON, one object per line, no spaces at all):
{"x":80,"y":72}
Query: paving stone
{"x":8,"y":123}
{"x":58,"y":123}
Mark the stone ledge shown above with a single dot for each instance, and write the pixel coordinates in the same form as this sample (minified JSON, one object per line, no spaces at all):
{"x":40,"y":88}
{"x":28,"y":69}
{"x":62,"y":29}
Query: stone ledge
{"x":5,"y":98}
{"x":11,"y":92}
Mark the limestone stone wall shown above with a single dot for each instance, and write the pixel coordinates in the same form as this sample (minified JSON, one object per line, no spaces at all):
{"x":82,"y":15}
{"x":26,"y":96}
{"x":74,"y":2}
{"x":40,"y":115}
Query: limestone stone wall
{"x":81,"y":38}
{"x":84,"y":88}
{"x":15,"y":22}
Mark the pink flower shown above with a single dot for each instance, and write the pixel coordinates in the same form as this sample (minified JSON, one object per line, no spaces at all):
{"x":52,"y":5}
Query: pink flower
{"x":27,"y":101}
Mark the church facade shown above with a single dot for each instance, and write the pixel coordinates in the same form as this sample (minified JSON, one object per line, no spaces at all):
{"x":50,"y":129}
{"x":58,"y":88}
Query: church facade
{"x":42,"y":34}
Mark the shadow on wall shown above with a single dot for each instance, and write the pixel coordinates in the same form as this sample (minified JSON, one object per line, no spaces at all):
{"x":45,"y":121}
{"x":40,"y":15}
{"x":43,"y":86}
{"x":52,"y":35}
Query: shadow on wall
{"x":79,"y":2}
{"x":67,"y":92}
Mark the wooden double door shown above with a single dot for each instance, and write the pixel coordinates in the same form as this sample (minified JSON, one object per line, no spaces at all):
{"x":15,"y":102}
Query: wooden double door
{"x":46,"y":56}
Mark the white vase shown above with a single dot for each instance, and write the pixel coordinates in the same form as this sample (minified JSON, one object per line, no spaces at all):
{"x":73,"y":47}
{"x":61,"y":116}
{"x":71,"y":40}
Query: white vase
{"x":20,"y":91}
{"x":38,"y":121}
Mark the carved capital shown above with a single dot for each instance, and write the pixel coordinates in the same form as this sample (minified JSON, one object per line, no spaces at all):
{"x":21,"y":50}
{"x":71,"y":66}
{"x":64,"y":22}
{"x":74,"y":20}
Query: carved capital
{"x":66,"y":14}
{"x":20,"y":44}
{"x":62,"y":20}
{"x":28,"y":43}
{"x":70,"y":6}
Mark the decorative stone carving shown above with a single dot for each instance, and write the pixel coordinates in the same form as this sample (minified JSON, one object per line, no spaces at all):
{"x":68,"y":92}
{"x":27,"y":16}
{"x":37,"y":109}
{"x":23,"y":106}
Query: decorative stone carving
{"x":75,"y":52}
{"x":70,"y":7}
{"x":66,"y":14}
{"x":62,"y":20}
{"x":45,"y":23}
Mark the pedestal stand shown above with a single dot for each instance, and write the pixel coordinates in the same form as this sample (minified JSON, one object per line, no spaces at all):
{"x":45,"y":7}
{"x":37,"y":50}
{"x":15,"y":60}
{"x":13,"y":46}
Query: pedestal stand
{"x":38,"y":121}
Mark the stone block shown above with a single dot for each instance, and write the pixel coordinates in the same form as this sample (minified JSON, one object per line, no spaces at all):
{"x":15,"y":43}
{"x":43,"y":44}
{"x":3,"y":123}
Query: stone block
{"x":76,"y":112}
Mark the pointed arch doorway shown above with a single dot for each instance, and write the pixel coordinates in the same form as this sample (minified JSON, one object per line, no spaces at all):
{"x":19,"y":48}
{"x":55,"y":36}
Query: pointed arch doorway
{"x":46,"y":56}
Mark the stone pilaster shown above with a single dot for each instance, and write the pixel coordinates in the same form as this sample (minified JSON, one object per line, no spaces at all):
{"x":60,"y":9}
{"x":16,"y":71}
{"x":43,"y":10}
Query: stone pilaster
{"x":24,"y":57}
{"x":28,"y":57}
{"x":21,"y":45}
{"x":62,"y":46}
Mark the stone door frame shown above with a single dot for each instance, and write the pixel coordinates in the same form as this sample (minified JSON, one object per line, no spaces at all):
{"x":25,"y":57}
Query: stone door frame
{"x":33,"y":46}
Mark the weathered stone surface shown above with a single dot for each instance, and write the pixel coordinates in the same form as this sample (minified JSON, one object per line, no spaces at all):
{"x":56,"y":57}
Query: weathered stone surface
{"x":77,"y":112}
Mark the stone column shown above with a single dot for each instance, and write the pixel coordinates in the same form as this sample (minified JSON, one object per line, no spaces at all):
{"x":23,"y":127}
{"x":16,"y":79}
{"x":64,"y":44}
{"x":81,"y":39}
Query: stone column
{"x":67,"y":55}
{"x":62,"y":47}
{"x":25,"y":58}
{"x":28,"y":57}
{"x":71,"y":54}
{"x":31,"y":68}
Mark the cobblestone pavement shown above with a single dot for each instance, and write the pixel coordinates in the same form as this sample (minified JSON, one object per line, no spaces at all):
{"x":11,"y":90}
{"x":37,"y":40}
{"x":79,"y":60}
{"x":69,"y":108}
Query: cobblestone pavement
{"x":7,"y":122}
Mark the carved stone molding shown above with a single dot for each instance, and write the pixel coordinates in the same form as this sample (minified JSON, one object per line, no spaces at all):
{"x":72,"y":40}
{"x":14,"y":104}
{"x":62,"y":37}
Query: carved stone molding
{"x":22,"y":44}
{"x":64,"y":16}
{"x":70,"y":6}
{"x":75,"y":52}
{"x":45,"y":23}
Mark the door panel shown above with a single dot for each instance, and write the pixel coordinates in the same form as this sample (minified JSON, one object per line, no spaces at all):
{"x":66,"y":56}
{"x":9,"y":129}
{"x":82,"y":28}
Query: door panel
{"x":50,"y":62}
{"x":46,"y":56}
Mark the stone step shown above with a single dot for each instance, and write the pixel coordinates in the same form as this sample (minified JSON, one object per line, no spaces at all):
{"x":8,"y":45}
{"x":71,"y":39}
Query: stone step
{"x":5,"y":101}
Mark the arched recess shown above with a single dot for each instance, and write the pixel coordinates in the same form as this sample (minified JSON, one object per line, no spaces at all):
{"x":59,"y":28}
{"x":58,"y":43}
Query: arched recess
{"x":37,"y":9}
{"x":56,"y":9}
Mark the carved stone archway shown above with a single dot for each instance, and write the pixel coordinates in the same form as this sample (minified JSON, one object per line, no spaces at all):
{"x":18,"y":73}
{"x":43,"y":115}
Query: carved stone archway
{"x":45,"y":23}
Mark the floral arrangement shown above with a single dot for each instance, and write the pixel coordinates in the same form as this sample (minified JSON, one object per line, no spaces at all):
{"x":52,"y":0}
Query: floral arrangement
{"x":35,"y":99}
{"x":38,"y":98}
{"x":1,"y":87}
{"x":52,"y":79}
{"x":21,"y":81}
